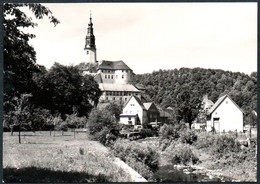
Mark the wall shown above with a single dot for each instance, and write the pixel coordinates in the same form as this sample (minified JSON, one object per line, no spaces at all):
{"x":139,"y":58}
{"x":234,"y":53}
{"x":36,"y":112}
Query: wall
{"x":134,"y":108}
{"x":124,"y":98}
{"x":91,"y":56}
{"x":230,"y":117}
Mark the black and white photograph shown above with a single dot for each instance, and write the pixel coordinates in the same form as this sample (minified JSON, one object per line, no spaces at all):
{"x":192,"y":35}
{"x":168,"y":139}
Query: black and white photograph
{"x":129,"y":92}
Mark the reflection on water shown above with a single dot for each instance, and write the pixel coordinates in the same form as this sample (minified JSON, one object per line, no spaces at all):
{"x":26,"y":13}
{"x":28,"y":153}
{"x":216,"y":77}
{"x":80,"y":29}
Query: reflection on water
{"x":170,"y":174}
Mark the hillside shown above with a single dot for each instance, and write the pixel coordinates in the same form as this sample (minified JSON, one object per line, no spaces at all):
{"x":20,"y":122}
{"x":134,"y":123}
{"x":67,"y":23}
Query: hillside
{"x":173,"y":87}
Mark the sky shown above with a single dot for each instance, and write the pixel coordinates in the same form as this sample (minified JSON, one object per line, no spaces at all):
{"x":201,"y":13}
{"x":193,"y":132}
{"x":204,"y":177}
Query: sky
{"x":153,"y":36}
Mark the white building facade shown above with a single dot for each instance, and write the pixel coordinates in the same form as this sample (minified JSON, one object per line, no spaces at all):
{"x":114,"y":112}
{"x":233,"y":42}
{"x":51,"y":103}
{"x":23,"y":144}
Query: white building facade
{"x":225,"y":115}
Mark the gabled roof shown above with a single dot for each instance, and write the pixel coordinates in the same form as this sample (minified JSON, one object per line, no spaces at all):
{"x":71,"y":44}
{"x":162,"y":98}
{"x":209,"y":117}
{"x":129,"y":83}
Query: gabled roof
{"x":113,"y":65}
{"x":219,"y":101}
{"x":148,"y":105}
{"x":138,"y":101}
{"x":117,"y":87}
{"x":98,"y":78}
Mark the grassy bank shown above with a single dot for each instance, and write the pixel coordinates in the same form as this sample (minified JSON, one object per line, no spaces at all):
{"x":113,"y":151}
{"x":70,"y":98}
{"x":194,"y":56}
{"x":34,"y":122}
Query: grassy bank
{"x":45,"y":158}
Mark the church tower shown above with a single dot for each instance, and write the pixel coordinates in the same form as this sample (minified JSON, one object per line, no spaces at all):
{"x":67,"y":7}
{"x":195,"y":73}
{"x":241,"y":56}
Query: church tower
{"x":90,"y":46}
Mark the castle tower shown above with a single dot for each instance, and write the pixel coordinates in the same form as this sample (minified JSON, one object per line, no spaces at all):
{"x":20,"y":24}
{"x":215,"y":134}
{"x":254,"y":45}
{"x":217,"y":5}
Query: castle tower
{"x":90,"y":46}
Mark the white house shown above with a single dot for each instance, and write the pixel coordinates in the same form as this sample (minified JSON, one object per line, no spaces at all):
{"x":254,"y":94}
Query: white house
{"x":134,"y":112}
{"x":137,"y":113}
{"x":225,"y":115}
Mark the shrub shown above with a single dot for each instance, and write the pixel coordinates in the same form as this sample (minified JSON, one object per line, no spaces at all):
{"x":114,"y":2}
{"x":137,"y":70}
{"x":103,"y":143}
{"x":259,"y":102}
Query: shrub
{"x":225,"y":144}
{"x":142,"y":157}
{"x":188,"y":136}
{"x":102,"y":126}
{"x":180,"y":154}
{"x":205,"y":140}
{"x":170,"y":131}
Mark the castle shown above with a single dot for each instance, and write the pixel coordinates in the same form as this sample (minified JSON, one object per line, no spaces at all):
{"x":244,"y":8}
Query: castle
{"x":113,"y":77}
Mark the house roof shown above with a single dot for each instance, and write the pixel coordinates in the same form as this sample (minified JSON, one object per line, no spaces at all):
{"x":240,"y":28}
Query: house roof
{"x":140,"y":86}
{"x":165,"y":112}
{"x":117,"y":87}
{"x":113,"y":65}
{"x":219,"y":101}
{"x":98,"y":78}
{"x":138,"y":101}
{"x":148,"y":105}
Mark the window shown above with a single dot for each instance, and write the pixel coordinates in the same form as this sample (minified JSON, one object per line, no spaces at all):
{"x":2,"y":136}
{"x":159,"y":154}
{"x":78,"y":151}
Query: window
{"x":125,"y":99}
{"x":105,"y":76}
{"x":122,"y":76}
{"x":129,"y":118}
{"x":120,"y":98}
{"x":108,"y":76}
{"x":87,"y":51}
{"x":226,"y":102}
{"x":122,"y":70}
{"x":114,"y":98}
{"x":106,"y":98}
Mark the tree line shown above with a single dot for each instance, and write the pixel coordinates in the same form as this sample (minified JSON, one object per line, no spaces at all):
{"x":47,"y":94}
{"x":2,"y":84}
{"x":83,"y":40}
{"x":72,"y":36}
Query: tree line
{"x":35,"y":98}
{"x":183,"y":90}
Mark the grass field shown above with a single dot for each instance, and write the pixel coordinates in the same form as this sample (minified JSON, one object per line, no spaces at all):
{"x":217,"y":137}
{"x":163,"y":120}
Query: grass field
{"x":44,"y":158}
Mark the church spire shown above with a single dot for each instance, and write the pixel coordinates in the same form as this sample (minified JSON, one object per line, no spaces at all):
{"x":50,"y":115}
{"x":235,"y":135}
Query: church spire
{"x":90,"y":42}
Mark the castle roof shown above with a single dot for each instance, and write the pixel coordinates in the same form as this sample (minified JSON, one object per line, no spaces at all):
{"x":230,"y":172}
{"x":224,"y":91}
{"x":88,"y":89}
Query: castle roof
{"x":117,"y":87}
{"x":113,"y":65}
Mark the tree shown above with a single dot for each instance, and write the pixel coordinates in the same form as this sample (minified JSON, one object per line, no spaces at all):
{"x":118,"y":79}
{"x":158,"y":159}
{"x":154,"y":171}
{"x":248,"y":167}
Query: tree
{"x":64,"y":90}
{"x":20,"y":115}
{"x":19,"y":55}
{"x":115,"y":109}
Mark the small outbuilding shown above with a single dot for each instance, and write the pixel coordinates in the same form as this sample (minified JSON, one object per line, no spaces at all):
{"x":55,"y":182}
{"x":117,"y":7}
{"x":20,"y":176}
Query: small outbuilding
{"x":225,"y":115}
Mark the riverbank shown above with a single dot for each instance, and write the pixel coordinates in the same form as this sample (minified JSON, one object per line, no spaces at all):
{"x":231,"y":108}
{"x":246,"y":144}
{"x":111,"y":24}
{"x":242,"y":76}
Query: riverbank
{"x":63,"y":158}
{"x":237,"y":166}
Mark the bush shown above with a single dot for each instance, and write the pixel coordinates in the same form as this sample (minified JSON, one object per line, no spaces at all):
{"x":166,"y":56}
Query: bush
{"x":170,"y":131}
{"x":225,"y":144}
{"x":180,"y":154}
{"x":205,"y":140}
{"x":142,"y":157}
{"x":102,"y":126}
{"x":188,"y":136}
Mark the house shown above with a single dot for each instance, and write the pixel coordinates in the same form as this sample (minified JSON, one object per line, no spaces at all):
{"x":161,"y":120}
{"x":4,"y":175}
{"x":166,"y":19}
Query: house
{"x":137,"y":113}
{"x":225,"y":115}
{"x":207,"y":103}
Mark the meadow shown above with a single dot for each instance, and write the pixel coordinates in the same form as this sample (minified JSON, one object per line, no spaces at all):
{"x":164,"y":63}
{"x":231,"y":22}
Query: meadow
{"x":60,"y":158}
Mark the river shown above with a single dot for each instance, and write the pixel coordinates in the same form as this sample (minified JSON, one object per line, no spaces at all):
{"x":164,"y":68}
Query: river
{"x":169,"y":173}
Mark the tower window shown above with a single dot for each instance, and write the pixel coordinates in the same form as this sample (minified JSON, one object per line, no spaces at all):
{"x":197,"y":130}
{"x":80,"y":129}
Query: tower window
{"x":122,"y":76}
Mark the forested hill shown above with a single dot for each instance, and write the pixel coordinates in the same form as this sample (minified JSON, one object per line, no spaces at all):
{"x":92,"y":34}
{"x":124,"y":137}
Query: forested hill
{"x":164,"y":86}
